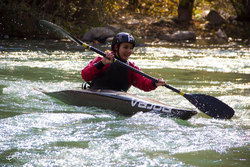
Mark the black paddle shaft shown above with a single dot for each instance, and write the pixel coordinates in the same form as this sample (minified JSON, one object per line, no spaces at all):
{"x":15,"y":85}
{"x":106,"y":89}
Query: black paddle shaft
{"x":205,"y":103}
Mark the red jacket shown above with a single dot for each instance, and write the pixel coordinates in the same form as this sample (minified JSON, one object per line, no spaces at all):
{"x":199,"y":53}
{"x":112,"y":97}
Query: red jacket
{"x":90,"y":72}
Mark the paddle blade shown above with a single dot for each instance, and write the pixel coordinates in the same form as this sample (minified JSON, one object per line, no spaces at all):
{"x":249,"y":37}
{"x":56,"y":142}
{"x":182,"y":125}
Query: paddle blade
{"x":210,"y":106}
{"x":58,"y":30}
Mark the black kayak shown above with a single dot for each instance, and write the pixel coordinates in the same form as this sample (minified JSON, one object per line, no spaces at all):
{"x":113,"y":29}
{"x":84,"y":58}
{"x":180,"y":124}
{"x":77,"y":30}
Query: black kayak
{"x":124,"y":103}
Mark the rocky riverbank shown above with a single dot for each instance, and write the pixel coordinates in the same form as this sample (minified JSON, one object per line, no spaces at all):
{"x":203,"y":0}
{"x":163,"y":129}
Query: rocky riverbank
{"x":213,"y":28}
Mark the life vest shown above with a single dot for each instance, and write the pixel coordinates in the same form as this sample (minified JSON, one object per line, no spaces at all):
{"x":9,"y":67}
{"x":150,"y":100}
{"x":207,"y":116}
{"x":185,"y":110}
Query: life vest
{"x":114,"y":78}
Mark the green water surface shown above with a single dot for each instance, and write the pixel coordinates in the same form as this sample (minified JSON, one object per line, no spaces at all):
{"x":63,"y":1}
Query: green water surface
{"x":36,"y":130}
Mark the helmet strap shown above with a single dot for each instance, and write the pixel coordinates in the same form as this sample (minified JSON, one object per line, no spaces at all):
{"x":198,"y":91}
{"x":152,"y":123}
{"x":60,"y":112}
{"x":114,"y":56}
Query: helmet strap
{"x":117,"y":51}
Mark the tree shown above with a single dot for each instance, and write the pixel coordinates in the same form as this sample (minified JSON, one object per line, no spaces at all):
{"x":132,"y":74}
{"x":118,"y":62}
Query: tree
{"x":242,"y":8}
{"x":185,"y":9}
{"x":133,"y":4}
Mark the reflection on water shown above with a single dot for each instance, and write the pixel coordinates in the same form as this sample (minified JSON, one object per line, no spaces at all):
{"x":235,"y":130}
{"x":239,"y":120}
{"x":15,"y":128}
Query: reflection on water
{"x":37,"y":130}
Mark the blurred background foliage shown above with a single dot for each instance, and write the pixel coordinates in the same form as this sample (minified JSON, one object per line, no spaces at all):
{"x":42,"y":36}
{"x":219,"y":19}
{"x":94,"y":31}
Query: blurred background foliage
{"x":19,"y":18}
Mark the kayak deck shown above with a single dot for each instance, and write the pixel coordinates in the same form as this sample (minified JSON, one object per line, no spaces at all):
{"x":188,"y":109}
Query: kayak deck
{"x":122,"y":102}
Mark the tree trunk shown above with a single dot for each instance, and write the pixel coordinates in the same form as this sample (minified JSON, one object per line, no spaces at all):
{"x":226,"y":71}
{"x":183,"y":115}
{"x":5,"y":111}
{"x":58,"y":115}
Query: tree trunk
{"x":133,"y":4}
{"x":185,"y":9}
{"x":242,"y":8}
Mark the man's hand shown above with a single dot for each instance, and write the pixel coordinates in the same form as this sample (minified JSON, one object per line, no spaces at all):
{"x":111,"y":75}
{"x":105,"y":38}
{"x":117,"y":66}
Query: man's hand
{"x":108,"y":59}
{"x":160,"y":82}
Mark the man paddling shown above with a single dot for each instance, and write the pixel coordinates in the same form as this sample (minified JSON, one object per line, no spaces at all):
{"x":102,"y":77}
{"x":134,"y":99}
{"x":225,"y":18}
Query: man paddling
{"x":98,"y":72}
{"x":104,"y":73}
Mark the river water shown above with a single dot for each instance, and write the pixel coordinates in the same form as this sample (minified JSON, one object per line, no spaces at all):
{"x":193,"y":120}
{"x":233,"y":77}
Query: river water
{"x":37,"y":130}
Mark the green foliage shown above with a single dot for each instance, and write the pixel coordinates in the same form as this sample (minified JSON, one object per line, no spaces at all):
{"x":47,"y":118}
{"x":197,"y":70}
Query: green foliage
{"x":157,"y":8}
{"x":78,"y":16}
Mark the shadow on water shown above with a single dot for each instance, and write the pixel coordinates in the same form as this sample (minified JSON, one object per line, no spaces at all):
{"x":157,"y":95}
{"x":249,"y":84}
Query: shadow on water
{"x":233,"y":157}
{"x":6,"y":158}
{"x":4,"y":114}
{"x":70,"y":144}
{"x":1,"y":89}
{"x":38,"y":45}
{"x":35,"y":73}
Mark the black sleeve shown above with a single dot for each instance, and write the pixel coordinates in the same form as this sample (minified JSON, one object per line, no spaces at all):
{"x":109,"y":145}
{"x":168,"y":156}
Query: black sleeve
{"x":154,"y":84}
{"x":99,"y":65}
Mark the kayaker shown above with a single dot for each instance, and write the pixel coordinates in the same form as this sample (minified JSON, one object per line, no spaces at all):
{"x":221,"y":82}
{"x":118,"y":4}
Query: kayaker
{"x":102,"y":73}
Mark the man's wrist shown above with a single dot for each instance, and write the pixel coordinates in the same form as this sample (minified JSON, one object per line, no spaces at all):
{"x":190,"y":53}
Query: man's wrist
{"x":99,"y":65}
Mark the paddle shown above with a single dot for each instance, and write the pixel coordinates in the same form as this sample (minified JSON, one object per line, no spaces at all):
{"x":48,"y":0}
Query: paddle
{"x":205,"y":103}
